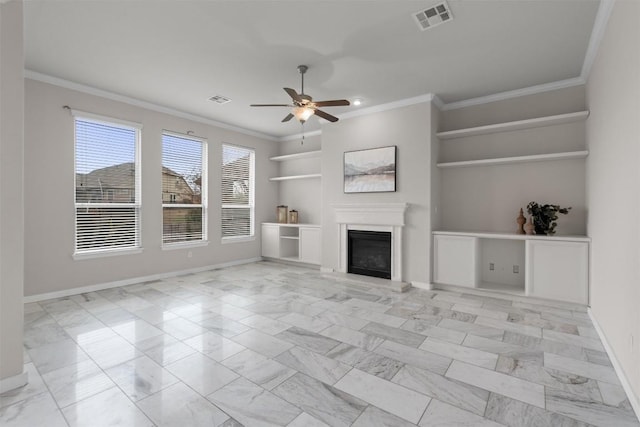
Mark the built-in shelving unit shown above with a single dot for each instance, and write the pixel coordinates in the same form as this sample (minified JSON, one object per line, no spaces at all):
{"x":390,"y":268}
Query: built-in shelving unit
{"x":514,"y":160}
{"x":296,"y":156}
{"x":291,"y":242}
{"x":515,"y":125}
{"x":287,"y":178}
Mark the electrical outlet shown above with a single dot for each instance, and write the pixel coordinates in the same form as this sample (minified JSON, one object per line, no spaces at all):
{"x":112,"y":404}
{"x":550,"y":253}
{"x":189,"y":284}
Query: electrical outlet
{"x":492,"y":266}
{"x":189,"y":254}
{"x":516,"y":269}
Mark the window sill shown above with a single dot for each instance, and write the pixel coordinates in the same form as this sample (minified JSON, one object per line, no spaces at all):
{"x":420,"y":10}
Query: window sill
{"x":105,"y":253}
{"x":184,"y":245}
{"x":228,"y":240}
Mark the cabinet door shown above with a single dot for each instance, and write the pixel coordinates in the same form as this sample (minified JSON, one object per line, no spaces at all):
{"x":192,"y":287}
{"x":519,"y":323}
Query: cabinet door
{"x":455,"y":260}
{"x":558,"y":270}
{"x":310,"y":245}
{"x":270,"y":241}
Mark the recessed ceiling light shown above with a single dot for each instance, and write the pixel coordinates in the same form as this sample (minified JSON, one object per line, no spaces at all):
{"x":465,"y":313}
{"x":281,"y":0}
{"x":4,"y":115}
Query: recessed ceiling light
{"x":357,"y":102}
{"x":219,"y":99}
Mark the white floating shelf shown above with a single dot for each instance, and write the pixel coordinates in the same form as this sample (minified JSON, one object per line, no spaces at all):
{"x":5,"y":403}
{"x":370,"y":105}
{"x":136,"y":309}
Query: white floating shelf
{"x":517,"y":125}
{"x":287,"y":178}
{"x":290,"y":237}
{"x":296,"y":156}
{"x":513,"y":160}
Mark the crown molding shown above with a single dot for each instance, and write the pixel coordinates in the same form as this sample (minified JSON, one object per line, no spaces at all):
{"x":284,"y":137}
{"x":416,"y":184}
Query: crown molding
{"x":428,"y":97}
{"x":531,"y":90}
{"x":45,"y":78}
{"x":599,"y":27}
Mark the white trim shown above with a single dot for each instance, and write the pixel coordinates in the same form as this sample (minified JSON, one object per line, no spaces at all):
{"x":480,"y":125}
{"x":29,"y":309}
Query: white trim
{"x":44,"y":78}
{"x":437,"y":102}
{"x":326,"y":270}
{"x":626,"y":385}
{"x":597,"y":33}
{"x":422,"y":285}
{"x":428,"y":97}
{"x":105,"y":120}
{"x":531,"y":90}
{"x":105,"y":253}
{"x":239,"y":239}
{"x":132,"y":281}
{"x":184,"y":245}
{"x":11,"y":383}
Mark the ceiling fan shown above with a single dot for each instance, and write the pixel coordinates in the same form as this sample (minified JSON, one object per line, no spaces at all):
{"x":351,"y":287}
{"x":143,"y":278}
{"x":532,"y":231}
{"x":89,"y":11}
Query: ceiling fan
{"x":303,"y":106}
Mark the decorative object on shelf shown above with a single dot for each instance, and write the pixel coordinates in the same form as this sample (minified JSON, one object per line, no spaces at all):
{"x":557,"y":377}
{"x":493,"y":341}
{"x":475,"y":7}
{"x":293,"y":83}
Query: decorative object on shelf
{"x":521,"y":220}
{"x":370,"y":171}
{"x":282,"y":214}
{"x":293,"y":216}
{"x":530,"y":229}
{"x":545,"y":216}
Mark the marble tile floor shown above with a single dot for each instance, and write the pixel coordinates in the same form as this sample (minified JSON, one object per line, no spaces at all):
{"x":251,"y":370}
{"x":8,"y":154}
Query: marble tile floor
{"x":266,"y":344}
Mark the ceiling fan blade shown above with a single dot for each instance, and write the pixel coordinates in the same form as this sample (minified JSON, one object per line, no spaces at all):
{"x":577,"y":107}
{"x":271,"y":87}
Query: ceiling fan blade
{"x":326,"y":116}
{"x":333,"y":103}
{"x":287,"y":118}
{"x":293,"y":94}
{"x":271,"y":105}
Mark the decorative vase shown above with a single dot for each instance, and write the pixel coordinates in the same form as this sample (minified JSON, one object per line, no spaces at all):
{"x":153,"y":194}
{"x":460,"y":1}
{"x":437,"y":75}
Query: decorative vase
{"x":521,"y":220}
{"x":282,"y":214}
{"x":293,"y":216}
{"x":530,"y":229}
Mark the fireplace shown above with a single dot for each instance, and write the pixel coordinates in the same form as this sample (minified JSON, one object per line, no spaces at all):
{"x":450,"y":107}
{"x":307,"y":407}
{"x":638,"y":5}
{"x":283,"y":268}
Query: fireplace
{"x":369,"y":253}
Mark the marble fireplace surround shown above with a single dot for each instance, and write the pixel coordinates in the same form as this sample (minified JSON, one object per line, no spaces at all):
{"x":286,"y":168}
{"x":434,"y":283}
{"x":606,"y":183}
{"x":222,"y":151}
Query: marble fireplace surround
{"x":387,"y":217}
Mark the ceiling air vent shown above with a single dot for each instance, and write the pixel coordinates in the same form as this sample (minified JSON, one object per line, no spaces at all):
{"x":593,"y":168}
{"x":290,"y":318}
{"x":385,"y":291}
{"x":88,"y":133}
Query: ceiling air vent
{"x":219,"y":99}
{"x":433,"y":16}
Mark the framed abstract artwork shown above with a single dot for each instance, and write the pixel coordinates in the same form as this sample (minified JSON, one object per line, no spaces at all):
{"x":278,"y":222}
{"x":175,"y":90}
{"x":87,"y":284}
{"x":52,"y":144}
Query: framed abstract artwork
{"x":370,"y":171}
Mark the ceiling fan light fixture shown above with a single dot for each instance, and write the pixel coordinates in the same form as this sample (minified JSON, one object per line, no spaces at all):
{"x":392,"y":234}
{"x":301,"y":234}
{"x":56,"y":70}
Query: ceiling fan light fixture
{"x":302,"y":113}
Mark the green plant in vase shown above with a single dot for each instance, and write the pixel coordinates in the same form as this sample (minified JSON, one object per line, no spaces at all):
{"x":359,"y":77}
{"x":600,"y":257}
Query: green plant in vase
{"x":545,"y":217}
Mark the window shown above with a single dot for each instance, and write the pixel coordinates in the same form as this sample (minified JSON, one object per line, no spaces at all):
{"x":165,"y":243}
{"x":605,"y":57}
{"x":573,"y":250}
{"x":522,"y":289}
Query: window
{"x":184,"y":189}
{"x":107,"y":196}
{"x":237,"y":192}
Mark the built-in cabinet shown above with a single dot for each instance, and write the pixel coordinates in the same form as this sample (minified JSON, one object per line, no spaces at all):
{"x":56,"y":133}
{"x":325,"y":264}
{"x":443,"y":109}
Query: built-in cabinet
{"x":481,"y":190}
{"x":550,"y":267}
{"x":292,"y":242}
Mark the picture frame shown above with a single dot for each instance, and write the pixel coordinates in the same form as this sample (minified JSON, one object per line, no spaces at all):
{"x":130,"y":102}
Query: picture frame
{"x":370,"y":171}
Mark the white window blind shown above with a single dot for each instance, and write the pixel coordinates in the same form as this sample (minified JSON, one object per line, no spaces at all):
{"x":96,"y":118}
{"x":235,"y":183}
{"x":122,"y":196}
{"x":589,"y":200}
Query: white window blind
{"x":237,"y":192}
{"x":107,"y":196}
{"x":184,"y":182}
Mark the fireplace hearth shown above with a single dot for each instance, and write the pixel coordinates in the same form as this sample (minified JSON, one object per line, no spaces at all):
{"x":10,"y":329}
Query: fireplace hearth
{"x":369,"y":253}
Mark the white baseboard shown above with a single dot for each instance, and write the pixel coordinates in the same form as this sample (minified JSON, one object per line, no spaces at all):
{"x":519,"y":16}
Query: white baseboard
{"x":133,"y":280}
{"x":11,"y":383}
{"x":326,"y":270}
{"x":626,"y":385}
{"x":422,"y":285}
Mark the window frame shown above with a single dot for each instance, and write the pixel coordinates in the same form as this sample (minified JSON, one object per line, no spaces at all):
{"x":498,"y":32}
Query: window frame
{"x":136,"y":205}
{"x":204,"y":191}
{"x":252,"y":192}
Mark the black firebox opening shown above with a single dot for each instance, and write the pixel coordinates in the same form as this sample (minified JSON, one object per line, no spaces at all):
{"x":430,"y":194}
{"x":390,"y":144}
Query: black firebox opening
{"x":370,"y":253}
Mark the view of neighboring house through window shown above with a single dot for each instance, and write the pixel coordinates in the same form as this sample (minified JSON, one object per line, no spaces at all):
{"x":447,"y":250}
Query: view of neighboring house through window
{"x":107,"y":196}
{"x":184,"y":188}
{"x":237,"y":192}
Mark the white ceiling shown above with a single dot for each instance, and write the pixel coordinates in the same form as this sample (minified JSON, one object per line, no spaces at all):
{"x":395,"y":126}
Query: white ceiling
{"x":179,"y":53}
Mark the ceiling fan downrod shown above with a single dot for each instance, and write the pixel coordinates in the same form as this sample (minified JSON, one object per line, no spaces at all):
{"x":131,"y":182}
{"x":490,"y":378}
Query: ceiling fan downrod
{"x":303,"y":69}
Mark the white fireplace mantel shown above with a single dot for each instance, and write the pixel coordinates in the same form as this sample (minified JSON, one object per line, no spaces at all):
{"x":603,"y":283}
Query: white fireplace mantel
{"x":374,"y":217}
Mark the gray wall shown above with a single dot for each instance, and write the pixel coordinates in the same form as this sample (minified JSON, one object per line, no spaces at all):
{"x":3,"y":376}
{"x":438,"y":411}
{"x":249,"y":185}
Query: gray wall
{"x":613,"y":132}
{"x":49,"y":188}
{"x":11,"y":191}
{"x":409,"y":128}
{"x":482,"y":198}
